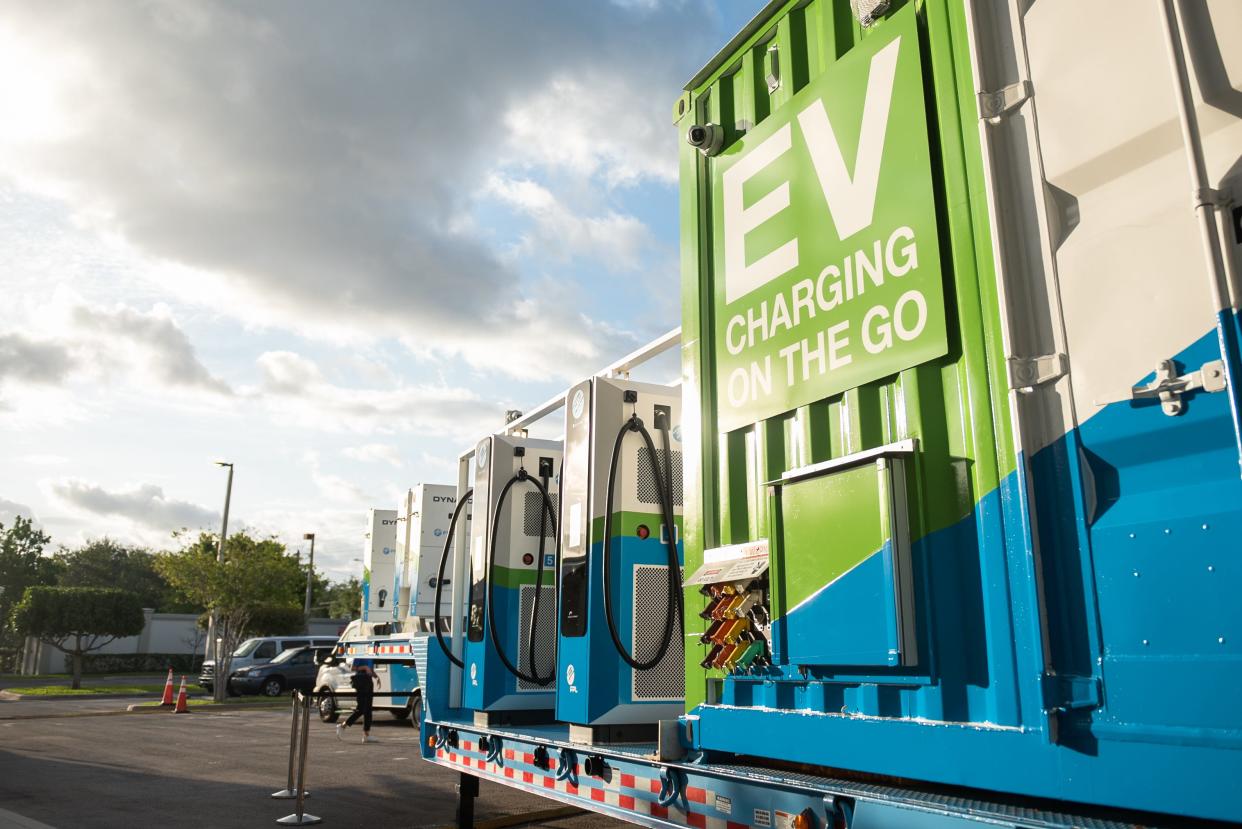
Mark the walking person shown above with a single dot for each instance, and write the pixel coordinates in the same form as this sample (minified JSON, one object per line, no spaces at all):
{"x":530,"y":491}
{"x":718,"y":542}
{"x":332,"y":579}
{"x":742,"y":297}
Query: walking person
{"x":364,"y":682}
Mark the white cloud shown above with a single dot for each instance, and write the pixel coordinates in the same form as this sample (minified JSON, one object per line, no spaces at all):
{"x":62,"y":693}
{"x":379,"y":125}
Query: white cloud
{"x":44,"y":459}
{"x":375,"y":453}
{"x":337,"y":490}
{"x":560,"y":233}
{"x":295,"y":388}
{"x":152,"y":339}
{"x":298,"y":178}
{"x":599,"y":125}
{"x":143,"y":505}
{"x":75,"y":341}
{"x":11,"y":509}
{"x":28,"y":360}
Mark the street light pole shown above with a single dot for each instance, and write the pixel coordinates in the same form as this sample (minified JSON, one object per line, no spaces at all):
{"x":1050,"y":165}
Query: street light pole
{"x":310,"y":574}
{"x":210,"y":651}
{"x":404,"y":609}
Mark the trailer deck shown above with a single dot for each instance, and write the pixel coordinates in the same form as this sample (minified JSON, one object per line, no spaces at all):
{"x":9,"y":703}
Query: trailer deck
{"x":632,"y":782}
{"x":629,"y":782}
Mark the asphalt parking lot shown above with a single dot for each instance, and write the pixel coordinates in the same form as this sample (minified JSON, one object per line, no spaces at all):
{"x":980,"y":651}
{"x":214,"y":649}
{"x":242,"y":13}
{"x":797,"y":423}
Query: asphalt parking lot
{"x":218,"y":769}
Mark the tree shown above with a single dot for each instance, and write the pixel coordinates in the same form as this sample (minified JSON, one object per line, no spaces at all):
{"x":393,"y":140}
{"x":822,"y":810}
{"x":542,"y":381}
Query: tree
{"x":342,"y":599}
{"x":255,"y":573}
{"x":275,"y":620}
{"x":78,"y":620}
{"x":22,"y":565}
{"x":103,"y":562}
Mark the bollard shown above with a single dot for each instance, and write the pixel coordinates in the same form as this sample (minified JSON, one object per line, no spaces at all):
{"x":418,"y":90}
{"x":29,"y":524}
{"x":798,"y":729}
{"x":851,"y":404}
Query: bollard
{"x":299,"y":817}
{"x":288,"y":792}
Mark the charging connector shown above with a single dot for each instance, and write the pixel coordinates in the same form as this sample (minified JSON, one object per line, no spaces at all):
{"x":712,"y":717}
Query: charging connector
{"x":663,"y":418}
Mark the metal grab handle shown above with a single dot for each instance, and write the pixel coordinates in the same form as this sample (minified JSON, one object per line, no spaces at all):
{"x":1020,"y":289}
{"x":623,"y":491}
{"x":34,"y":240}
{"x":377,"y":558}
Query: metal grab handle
{"x":670,"y":788}
{"x":565,"y":765}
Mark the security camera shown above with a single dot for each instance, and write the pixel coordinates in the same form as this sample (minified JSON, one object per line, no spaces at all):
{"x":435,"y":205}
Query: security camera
{"x":383,"y":597}
{"x":707,"y":138}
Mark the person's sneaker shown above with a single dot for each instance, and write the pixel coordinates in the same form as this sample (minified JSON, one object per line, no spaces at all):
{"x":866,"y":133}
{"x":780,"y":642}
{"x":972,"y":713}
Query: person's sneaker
{"x":340,"y":729}
{"x":369,"y":739}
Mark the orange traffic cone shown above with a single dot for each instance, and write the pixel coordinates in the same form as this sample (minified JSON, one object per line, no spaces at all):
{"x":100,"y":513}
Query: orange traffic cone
{"x":168,"y":692}
{"x":183,"y":706}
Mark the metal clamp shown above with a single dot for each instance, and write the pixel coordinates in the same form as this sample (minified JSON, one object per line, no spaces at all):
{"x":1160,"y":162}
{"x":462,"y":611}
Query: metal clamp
{"x":1169,"y":386}
{"x":993,"y":105}
{"x":1025,"y":373}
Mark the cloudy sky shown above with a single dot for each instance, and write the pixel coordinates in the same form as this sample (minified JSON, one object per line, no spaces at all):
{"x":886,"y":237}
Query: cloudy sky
{"x":330,"y":242}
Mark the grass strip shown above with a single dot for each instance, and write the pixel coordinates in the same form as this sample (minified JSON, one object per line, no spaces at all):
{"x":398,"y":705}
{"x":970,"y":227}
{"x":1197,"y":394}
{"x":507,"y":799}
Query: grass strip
{"x":95,"y":690}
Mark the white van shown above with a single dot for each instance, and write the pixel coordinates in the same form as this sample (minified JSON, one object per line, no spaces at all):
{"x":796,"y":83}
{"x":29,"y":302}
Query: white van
{"x":391,"y":654}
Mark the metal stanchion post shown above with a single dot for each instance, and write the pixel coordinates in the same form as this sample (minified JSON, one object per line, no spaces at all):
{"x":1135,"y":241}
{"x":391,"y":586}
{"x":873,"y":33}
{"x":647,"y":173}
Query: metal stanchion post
{"x":288,"y":792}
{"x":299,"y":817}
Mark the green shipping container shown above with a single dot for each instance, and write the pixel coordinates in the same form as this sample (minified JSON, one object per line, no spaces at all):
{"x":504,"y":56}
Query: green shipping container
{"x":838,"y":305}
{"x":964,"y":502}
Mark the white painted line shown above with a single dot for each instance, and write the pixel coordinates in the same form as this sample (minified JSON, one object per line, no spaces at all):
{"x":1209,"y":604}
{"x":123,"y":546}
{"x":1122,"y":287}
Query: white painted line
{"x":12,"y":820}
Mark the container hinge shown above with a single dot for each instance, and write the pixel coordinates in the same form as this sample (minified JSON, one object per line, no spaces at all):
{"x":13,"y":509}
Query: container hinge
{"x":1025,"y":373}
{"x":1070,"y":692}
{"x":1168,"y":386}
{"x":993,"y":105}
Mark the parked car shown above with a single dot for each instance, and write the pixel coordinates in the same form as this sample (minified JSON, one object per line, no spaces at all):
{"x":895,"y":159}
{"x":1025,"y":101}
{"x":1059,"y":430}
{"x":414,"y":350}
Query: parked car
{"x":257,"y":651}
{"x":294,"y":668}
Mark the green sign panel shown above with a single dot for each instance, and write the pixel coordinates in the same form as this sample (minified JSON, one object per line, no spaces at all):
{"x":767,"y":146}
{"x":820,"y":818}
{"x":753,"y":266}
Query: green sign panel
{"x":826,"y":258}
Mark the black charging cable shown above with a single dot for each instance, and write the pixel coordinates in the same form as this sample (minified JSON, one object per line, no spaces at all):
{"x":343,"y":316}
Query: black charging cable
{"x":448,"y":545}
{"x":673,"y":620}
{"x":545,"y":514}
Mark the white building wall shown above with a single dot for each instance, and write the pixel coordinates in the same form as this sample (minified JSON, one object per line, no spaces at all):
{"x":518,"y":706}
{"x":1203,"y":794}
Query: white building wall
{"x":163,"y":633}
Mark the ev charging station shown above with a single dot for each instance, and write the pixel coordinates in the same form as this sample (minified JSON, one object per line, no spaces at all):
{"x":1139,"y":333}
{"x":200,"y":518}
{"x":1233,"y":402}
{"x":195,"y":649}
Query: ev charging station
{"x":429,"y":509}
{"x":621,"y":664}
{"x":510,"y":632}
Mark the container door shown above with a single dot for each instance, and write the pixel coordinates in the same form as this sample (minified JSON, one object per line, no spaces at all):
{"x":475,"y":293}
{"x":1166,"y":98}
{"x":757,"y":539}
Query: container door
{"x":835,"y":311}
{"x":1161,"y":497}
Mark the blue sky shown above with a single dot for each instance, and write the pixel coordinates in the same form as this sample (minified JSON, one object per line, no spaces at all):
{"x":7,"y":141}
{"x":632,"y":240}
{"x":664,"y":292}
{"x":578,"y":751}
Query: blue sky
{"x":329,"y":243}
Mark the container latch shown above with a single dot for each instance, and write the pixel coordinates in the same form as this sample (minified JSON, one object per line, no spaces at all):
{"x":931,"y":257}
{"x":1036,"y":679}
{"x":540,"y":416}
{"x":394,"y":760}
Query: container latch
{"x":772,"y":69}
{"x":1070,"y":692}
{"x":1168,"y":386}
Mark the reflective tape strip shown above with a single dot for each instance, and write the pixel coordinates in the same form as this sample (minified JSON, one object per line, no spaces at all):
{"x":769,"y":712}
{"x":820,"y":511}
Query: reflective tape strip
{"x":607,"y":795}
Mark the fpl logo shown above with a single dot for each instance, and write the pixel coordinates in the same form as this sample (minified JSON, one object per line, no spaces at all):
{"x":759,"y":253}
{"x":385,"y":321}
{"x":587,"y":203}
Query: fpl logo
{"x":579,"y":404}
